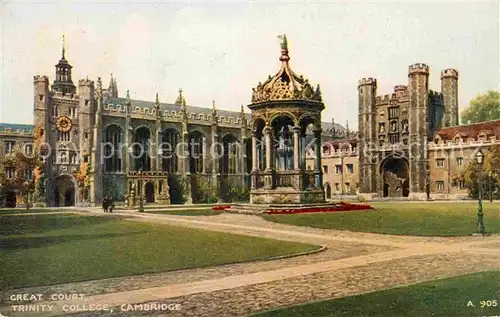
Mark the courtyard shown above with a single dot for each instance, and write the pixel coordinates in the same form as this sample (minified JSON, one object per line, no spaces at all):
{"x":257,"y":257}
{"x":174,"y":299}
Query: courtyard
{"x":206,"y":263}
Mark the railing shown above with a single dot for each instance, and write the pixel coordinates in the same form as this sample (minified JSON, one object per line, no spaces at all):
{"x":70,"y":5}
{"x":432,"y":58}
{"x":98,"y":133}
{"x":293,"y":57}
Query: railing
{"x":147,"y":173}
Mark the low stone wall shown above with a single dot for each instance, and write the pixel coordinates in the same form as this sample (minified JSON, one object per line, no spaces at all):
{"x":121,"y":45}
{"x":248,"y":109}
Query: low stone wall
{"x":286,"y":196}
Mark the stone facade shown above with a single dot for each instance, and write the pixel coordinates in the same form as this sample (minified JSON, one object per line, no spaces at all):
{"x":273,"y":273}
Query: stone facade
{"x":394,"y":131}
{"x":81,"y":126}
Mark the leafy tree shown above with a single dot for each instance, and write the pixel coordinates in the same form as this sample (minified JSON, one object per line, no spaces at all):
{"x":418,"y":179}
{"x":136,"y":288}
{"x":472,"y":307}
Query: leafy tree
{"x":27,"y":172}
{"x":485,"y":107}
{"x":472,"y":172}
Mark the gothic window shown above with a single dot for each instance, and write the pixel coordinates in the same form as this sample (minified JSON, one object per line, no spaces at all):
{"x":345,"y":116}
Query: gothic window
{"x":10,"y":172}
{"x":394,"y":138}
{"x":87,"y":102}
{"x":337,"y":187}
{"x":393,"y":112}
{"x":112,"y":148}
{"x":440,"y":185}
{"x":28,"y":174}
{"x":40,"y":97}
{"x":381,"y":128}
{"x":231,"y":153}
{"x":196,"y":158}
{"x":55,"y":111}
{"x":460,"y":161}
{"x":63,"y":136}
{"x":170,"y":141}
{"x":141,"y":149}
{"x":325,"y":169}
{"x":9,"y":146}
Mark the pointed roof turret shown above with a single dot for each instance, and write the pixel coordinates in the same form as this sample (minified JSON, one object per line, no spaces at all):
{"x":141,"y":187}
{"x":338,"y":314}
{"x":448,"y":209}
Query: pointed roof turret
{"x":285,"y":85}
{"x":63,"y":82}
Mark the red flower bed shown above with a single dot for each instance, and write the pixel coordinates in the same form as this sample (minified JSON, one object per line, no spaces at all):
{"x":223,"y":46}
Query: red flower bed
{"x":342,"y":206}
{"x":221,"y":207}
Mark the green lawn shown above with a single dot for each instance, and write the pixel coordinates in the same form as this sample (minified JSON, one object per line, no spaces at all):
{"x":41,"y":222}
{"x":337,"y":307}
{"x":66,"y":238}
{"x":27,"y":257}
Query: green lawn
{"x":441,"y":298}
{"x":421,"y":219}
{"x":30,"y":211}
{"x":181,"y":212}
{"x":57,"y":248}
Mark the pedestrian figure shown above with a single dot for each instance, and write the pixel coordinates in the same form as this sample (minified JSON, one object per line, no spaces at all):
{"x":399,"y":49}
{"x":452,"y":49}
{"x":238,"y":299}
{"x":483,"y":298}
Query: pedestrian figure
{"x":111,"y":204}
{"x":105,"y":204}
{"x":428,"y":191}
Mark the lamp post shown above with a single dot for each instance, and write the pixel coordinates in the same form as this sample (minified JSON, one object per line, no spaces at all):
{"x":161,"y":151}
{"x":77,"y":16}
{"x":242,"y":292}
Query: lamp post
{"x":480,"y":224}
{"x":141,"y":204}
{"x":341,"y":175}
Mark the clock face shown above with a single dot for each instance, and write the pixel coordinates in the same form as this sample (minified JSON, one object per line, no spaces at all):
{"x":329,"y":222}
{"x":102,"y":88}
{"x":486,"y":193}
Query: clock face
{"x":63,"y":124}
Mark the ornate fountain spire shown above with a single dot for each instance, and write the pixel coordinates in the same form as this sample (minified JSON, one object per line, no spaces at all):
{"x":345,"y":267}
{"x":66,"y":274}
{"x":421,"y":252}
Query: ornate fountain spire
{"x":284,"y":48}
{"x":63,"y":48}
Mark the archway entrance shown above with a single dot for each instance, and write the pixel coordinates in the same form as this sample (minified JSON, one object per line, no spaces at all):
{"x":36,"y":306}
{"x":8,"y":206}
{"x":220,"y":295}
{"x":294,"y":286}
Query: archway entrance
{"x":395,"y":177}
{"x":150,"y":192}
{"x":64,"y":192}
{"x":328,"y":190}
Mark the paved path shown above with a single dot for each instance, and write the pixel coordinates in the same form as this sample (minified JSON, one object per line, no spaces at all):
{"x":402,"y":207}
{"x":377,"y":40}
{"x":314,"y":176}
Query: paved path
{"x":353,"y":263}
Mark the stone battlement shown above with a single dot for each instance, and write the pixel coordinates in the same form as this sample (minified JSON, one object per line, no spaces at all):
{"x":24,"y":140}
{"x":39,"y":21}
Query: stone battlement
{"x":367,"y":81}
{"x":400,"y":88}
{"x":384,"y":98}
{"x":450,"y":72}
{"x":85,"y":82}
{"x":58,"y":94}
{"x":418,"y":68}
{"x":41,"y":78}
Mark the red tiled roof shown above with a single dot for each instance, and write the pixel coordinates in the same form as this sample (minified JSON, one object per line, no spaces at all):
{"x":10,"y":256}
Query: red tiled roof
{"x":490,"y":128}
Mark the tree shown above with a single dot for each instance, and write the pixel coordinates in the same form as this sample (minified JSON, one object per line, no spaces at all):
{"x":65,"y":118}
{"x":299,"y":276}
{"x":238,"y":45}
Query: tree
{"x":485,"y":107}
{"x":20,"y":173}
{"x":471,"y":172}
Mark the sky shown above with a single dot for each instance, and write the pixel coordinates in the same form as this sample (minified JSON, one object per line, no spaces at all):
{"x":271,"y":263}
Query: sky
{"x":219,"y":51}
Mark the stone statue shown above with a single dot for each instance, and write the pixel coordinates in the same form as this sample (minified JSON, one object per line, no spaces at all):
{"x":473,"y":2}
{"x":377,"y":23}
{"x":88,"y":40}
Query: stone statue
{"x":283,"y":42}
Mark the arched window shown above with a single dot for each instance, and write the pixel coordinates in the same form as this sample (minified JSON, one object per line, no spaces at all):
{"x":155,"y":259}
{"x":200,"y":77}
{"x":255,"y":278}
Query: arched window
{"x":141,"y":149}
{"x":232,"y":150}
{"x":112,"y":148}
{"x":196,"y":159}
{"x":169,"y":140}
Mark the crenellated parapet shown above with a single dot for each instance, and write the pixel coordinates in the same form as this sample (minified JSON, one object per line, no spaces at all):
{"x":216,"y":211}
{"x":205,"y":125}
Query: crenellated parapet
{"x":85,"y":82}
{"x":435,"y":97}
{"x":418,"y":68}
{"x":40,"y":78}
{"x":367,"y":81}
{"x":450,"y":72}
{"x":400,"y":88}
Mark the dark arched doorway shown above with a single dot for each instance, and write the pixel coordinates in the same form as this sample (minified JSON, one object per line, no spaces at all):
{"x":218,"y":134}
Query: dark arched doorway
{"x":150,"y":192}
{"x":395,"y":177}
{"x":64,"y":191}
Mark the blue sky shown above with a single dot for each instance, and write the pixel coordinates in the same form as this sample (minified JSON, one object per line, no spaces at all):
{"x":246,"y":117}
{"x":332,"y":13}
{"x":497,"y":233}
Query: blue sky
{"x":220,"y":51}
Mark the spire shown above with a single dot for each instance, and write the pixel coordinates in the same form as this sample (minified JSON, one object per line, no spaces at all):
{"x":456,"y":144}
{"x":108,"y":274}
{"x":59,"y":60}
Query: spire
{"x":112,"y":89}
{"x":157,"y":102}
{"x":242,"y":111}
{"x":347,"y":128}
{"x":284,"y":48}
{"x":180,"y":99}
{"x":214,"y":112}
{"x":63,"y":48}
{"x":128,"y":95}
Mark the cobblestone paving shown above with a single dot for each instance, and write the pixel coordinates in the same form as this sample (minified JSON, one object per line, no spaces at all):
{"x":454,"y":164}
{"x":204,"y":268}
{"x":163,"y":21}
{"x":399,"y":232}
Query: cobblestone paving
{"x":354,"y":263}
{"x":321,"y":286}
